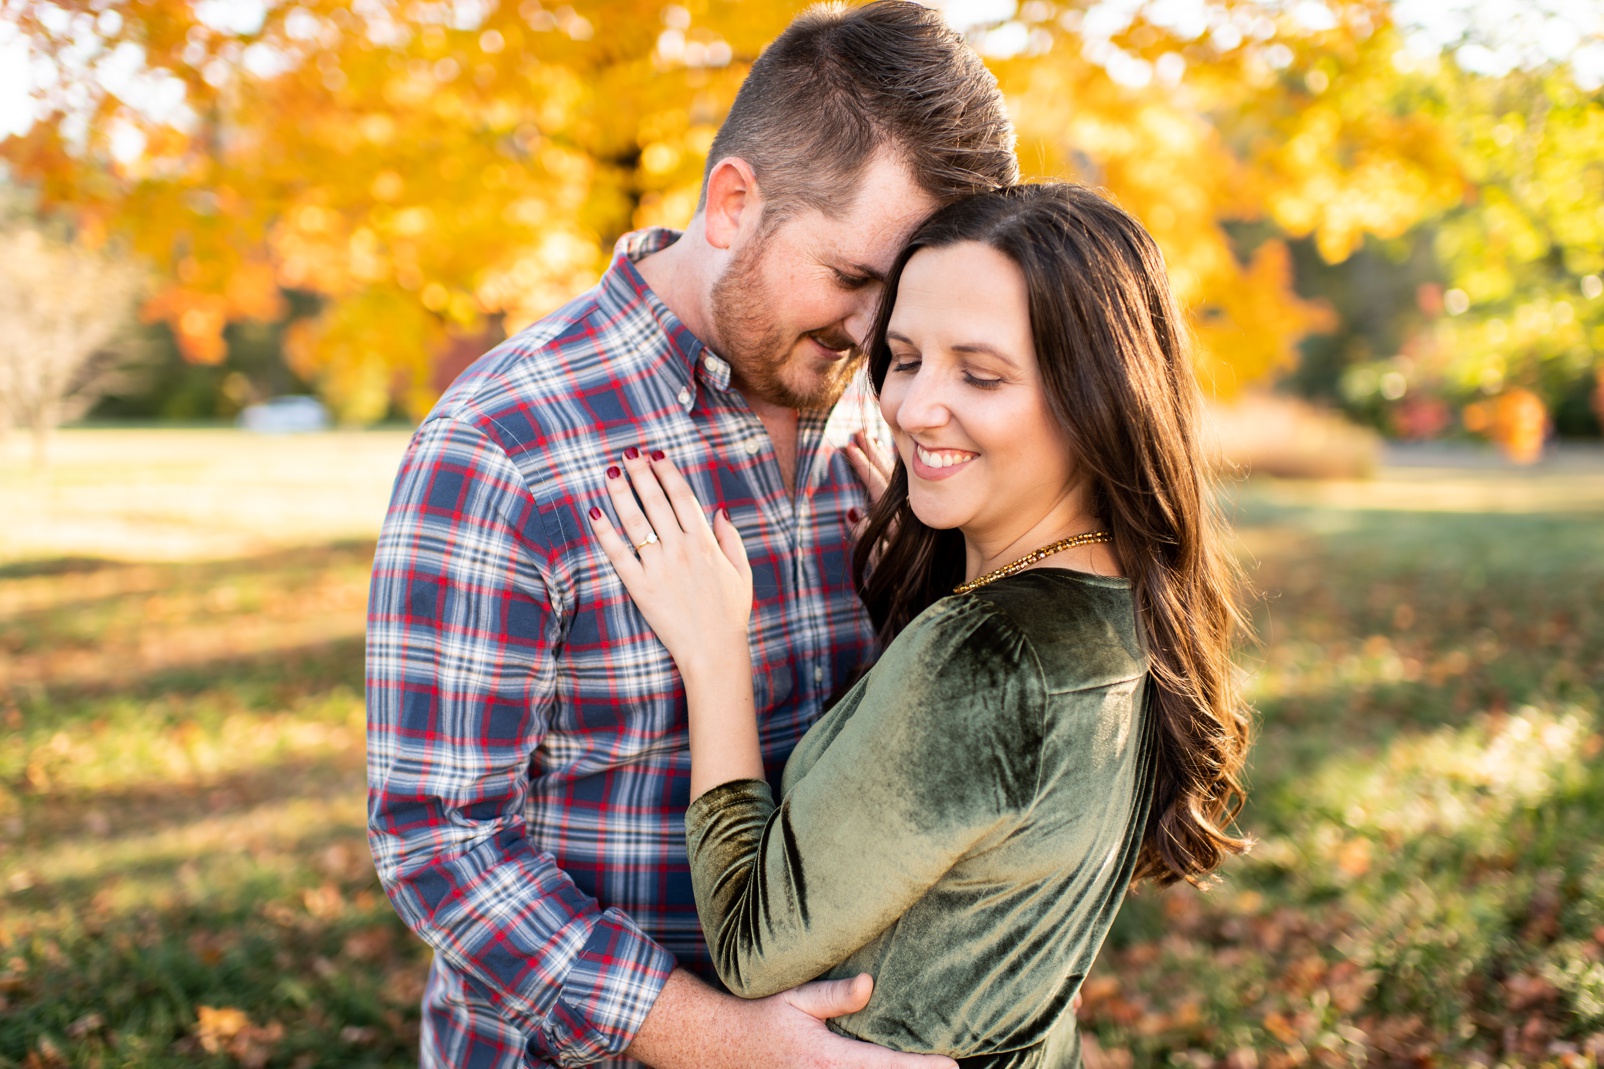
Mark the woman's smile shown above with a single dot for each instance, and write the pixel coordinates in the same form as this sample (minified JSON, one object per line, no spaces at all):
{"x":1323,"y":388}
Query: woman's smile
{"x":939,"y":463}
{"x":964,"y":397}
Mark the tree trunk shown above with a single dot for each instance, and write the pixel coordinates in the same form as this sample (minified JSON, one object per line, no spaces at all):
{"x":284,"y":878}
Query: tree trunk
{"x":42,"y":424}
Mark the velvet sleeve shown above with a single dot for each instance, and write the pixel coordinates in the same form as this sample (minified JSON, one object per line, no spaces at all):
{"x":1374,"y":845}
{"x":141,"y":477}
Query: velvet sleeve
{"x":935,"y":756}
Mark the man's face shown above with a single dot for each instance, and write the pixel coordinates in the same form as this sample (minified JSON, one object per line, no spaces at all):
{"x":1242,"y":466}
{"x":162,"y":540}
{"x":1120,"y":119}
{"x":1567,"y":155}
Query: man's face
{"x":795,"y":303}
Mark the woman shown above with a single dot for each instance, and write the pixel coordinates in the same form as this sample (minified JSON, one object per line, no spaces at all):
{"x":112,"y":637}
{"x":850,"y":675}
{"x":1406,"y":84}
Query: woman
{"x":1054,"y":714}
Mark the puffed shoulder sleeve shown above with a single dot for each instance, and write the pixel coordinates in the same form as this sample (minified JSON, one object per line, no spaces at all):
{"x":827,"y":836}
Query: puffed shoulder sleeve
{"x":939,"y":757}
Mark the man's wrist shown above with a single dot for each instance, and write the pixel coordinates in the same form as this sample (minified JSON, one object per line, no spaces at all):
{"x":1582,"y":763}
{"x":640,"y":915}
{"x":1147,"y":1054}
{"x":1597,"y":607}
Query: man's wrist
{"x":690,"y":1025}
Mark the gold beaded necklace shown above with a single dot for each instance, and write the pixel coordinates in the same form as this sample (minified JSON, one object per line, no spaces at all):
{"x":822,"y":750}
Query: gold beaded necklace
{"x":1032,"y":557}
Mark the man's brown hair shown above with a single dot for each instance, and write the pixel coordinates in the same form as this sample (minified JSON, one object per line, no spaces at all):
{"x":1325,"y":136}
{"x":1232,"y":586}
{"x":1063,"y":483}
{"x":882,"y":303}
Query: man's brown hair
{"x":843,"y":83}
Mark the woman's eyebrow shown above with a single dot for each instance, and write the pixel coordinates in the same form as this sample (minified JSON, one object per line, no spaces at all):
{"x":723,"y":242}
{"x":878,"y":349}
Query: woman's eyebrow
{"x":985,"y":349}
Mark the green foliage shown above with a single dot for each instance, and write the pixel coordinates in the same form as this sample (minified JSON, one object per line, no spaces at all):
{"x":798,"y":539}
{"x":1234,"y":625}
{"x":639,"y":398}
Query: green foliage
{"x":1520,"y":305}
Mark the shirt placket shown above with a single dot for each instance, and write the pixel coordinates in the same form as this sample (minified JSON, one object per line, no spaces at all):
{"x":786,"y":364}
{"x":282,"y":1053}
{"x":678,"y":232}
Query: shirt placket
{"x":791,"y":519}
{"x":814,"y":455}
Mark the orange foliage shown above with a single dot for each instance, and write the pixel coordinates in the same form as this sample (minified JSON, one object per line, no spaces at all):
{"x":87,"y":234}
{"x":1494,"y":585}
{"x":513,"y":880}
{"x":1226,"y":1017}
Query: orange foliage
{"x":428,"y":169}
{"x":1516,"y":419}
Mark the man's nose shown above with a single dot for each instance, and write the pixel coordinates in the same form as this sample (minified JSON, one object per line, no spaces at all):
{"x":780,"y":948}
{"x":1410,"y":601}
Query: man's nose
{"x":859,"y":320}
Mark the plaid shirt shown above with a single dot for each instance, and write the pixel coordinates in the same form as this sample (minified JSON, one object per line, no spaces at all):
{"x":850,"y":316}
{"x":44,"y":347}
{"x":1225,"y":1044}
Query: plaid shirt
{"x":528,"y":767}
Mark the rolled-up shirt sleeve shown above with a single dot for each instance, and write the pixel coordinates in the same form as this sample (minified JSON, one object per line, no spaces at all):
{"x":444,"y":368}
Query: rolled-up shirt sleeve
{"x":461,"y":630}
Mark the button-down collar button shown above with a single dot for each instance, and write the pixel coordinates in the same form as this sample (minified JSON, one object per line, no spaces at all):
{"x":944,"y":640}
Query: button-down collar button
{"x":710,"y":362}
{"x":752,"y":445}
{"x":684,"y":395}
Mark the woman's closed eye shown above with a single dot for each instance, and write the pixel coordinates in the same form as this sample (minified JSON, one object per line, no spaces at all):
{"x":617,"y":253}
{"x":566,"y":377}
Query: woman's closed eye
{"x":904,"y":362}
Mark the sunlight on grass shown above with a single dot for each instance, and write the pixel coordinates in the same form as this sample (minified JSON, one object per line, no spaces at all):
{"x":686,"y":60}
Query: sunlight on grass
{"x":1428,"y":884}
{"x":1452,"y":779}
{"x":185,"y":876}
{"x":176,"y":742}
{"x":190,"y":494}
{"x":204,"y":859}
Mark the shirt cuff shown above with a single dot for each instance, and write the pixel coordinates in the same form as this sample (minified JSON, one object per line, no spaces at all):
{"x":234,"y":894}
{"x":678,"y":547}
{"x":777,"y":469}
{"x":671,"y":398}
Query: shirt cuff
{"x":609,"y":990}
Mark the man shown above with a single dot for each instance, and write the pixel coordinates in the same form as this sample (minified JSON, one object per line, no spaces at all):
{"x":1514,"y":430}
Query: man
{"x":528,"y":766}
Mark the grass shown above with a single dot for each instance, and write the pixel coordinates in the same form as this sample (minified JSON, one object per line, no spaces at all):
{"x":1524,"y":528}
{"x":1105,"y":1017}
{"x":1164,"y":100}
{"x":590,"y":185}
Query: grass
{"x":181,"y":815}
{"x":1428,"y":884}
{"x":185,"y":880}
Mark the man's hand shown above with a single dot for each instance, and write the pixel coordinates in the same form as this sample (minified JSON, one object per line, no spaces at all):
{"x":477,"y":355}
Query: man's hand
{"x":691,"y":1026}
{"x":872,"y":463}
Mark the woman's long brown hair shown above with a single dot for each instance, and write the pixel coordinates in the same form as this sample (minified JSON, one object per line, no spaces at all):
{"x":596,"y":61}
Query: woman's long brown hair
{"x":1115,"y":365}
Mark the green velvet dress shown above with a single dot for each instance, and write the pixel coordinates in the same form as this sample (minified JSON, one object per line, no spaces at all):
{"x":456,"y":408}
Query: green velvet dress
{"x":962,"y":825}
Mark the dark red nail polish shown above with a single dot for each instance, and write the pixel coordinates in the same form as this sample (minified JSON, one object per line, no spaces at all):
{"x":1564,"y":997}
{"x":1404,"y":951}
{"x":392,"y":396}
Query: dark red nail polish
{"x":595,"y":513}
{"x":613,"y":472}
{"x":722,"y":511}
{"x":657,"y":454}
{"x":631,"y":453}
{"x":853,"y":515}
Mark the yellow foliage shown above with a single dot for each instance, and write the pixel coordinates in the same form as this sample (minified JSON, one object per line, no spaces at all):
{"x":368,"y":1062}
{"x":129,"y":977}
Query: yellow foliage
{"x":424,"y":172}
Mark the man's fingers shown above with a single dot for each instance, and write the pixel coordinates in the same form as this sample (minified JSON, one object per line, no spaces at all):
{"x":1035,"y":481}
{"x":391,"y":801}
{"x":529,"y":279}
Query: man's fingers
{"x":870,"y":473}
{"x":878,"y":454}
{"x":832,"y":998}
{"x":890,"y":1059}
{"x":861,"y":1055}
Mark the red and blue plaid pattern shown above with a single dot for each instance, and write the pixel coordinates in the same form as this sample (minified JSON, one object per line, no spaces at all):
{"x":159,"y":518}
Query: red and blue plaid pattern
{"x":528,"y":767}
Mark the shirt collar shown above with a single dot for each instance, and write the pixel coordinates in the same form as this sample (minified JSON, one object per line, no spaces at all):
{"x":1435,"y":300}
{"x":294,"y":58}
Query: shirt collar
{"x":624,"y":287}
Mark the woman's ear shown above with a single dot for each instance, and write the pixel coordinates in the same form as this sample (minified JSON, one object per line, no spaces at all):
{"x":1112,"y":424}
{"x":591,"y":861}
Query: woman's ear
{"x":733,"y":202}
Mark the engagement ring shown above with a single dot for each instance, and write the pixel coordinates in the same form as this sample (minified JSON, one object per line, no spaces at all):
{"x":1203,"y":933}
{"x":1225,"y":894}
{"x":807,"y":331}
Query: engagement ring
{"x":648,"y":540}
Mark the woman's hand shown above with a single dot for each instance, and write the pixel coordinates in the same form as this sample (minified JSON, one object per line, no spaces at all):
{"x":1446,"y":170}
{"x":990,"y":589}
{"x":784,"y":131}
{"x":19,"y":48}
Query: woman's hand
{"x":690,"y":580}
{"x":693,"y":584}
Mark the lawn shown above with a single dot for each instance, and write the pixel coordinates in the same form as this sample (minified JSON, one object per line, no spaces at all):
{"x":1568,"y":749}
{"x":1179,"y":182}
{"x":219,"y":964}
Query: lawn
{"x":185,"y":878}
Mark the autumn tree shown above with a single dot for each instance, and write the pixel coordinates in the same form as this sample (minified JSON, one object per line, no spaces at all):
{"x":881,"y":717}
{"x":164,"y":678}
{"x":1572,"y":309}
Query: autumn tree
{"x":428,"y":168}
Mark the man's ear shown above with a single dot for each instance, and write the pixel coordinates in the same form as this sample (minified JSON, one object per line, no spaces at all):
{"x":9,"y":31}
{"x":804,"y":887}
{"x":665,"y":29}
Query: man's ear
{"x":733,"y":201}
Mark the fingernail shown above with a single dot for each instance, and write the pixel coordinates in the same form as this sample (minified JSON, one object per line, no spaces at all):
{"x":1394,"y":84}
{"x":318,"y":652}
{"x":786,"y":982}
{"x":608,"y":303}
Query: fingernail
{"x":722,"y":511}
{"x":613,"y":472}
{"x":657,"y":454}
{"x":631,"y":453}
{"x":595,"y":513}
{"x":853,"y":515}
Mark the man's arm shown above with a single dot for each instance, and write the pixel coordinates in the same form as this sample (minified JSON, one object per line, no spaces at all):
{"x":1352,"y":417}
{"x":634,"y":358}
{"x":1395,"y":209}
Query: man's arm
{"x":460,"y":631}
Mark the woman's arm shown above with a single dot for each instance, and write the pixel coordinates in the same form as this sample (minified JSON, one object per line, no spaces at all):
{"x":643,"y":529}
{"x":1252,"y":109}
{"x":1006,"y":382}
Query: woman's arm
{"x":693,"y":584}
{"x":936,"y":761}
{"x":940,"y":753}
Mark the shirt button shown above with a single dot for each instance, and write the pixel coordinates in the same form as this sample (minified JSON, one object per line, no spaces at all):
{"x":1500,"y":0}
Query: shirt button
{"x":818,"y":675}
{"x":685,"y":395}
{"x":752,"y":445}
{"x":710,"y":363}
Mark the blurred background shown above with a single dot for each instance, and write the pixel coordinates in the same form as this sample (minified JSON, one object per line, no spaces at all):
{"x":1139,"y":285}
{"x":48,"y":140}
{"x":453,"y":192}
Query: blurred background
{"x":245,"y":244}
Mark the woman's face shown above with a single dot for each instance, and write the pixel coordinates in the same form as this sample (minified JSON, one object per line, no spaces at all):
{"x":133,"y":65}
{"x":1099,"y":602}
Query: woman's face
{"x":965,"y":401}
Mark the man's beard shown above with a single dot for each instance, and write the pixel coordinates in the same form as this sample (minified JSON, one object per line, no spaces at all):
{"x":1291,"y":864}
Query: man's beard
{"x":760,"y":354}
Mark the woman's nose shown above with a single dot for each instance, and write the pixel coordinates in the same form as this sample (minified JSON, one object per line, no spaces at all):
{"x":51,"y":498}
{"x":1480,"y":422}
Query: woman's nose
{"x":922,"y":407}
